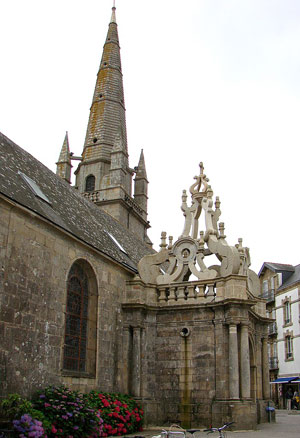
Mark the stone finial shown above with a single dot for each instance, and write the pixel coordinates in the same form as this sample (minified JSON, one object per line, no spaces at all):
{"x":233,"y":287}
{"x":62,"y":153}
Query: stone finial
{"x":217,"y":202}
{"x":201,"y":241}
{"x":163,"y":239}
{"x":170,"y":242}
{"x":209,"y":192}
{"x":184,"y":196}
{"x":222,"y":230}
{"x":240,"y":244}
{"x":201,"y":181}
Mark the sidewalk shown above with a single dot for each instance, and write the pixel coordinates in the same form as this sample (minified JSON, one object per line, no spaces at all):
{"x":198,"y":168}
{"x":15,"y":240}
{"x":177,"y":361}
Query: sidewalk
{"x":287,"y":426}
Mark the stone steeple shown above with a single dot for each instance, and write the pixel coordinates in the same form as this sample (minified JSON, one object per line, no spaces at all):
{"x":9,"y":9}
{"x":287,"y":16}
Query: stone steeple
{"x":64,"y":166}
{"x":104,"y":175}
{"x":107,"y":113}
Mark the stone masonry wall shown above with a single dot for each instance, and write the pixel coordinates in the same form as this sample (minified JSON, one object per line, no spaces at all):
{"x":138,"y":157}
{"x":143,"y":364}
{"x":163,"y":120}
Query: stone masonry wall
{"x":35,"y":261}
{"x":186,"y":364}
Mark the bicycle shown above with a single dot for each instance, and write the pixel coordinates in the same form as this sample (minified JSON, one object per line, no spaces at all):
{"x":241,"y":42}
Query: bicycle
{"x":179,"y":432}
{"x":222,"y":433}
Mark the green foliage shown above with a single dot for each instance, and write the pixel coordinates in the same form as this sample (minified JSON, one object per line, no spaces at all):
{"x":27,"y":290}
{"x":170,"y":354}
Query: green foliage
{"x":120,"y":413}
{"x":14,"y":406}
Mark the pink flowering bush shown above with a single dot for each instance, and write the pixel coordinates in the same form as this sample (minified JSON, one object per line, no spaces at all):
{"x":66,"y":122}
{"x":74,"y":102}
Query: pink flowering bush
{"x":120,"y":413}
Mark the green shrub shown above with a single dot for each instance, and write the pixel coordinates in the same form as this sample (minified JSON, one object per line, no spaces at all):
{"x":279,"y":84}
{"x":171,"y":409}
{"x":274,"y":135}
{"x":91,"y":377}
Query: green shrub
{"x":14,"y":407}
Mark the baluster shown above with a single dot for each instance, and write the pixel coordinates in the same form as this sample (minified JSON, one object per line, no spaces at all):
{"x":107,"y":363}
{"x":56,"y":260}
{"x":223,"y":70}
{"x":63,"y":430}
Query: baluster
{"x":180,"y":293}
{"x":172,"y":295}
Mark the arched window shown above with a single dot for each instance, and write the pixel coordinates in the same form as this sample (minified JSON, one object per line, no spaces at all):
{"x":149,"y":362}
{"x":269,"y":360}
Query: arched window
{"x":81,"y":320}
{"x":90,"y":183}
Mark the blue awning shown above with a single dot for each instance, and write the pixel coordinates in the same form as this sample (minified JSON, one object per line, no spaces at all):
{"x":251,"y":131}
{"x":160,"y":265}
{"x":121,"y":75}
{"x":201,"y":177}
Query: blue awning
{"x":286,"y":380}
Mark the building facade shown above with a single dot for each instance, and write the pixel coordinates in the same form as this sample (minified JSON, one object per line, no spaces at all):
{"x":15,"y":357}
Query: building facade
{"x":280,"y":285}
{"x":86,"y":302}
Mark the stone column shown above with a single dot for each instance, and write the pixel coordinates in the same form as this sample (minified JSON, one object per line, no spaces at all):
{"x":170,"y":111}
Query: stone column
{"x":245,"y":362}
{"x":265,"y":370}
{"x":136,"y":362}
{"x":233,"y":363}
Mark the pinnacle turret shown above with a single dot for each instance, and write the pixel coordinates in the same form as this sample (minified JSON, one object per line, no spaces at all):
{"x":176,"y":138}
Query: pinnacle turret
{"x":141,"y":184}
{"x":64,"y":166}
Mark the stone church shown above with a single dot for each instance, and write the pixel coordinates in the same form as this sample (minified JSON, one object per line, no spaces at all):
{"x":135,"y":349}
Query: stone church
{"x":86,"y":301}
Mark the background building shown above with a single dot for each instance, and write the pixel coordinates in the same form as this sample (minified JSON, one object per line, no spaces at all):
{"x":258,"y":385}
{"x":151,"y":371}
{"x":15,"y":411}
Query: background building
{"x":280,"y":285}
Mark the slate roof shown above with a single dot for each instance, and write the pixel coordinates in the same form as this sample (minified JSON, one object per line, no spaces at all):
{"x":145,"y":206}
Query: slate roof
{"x":293,"y":279}
{"x":276,"y":267}
{"x":68,"y":210}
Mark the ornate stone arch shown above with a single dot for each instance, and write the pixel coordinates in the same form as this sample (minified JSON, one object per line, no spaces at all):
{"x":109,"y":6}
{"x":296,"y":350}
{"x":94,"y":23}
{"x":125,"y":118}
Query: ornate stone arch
{"x":80,"y":338}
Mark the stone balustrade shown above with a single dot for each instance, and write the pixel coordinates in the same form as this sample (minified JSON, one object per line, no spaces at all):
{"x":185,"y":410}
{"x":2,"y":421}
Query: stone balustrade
{"x":181,"y":293}
{"x":93,"y":196}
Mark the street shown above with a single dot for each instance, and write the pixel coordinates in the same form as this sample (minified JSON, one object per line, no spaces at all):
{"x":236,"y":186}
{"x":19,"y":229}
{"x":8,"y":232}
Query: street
{"x":287,"y":425}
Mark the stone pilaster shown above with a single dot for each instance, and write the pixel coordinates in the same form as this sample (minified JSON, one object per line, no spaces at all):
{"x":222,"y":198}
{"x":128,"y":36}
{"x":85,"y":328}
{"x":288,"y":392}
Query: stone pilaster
{"x":136,"y":362}
{"x":124,"y":378}
{"x":245,"y":362}
{"x":221,"y":349}
{"x":233,"y":363}
{"x":265,"y":370}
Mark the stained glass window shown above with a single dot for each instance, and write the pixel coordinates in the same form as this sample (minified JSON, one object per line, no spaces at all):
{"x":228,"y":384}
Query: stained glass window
{"x":76,"y":320}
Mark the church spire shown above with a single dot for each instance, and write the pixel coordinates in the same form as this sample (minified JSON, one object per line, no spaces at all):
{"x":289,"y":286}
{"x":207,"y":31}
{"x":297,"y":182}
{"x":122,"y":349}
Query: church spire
{"x":105,"y":152}
{"x":107,"y":113}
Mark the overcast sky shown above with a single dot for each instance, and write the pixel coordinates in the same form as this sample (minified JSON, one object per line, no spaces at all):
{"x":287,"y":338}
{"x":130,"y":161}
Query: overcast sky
{"x":216,"y":81}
